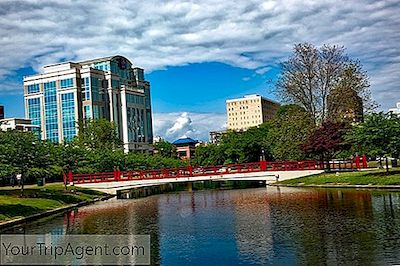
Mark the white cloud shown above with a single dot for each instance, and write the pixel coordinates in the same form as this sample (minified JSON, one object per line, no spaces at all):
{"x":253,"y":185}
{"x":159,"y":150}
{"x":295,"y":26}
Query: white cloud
{"x":182,"y":126}
{"x":172,"y":126}
{"x":156,"y":34}
{"x":262,"y":70}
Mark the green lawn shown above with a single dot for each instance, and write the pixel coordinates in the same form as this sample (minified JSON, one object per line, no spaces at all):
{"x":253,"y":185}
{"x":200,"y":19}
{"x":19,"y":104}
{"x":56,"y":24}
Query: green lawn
{"x":373,"y":177}
{"x":39,"y":199}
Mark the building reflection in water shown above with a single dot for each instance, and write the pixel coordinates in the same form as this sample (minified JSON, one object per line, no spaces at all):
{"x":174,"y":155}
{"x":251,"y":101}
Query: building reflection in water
{"x":249,"y":226}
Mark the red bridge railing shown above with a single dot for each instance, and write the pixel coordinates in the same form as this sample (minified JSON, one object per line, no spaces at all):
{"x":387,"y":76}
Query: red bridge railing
{"x":194,"y":171}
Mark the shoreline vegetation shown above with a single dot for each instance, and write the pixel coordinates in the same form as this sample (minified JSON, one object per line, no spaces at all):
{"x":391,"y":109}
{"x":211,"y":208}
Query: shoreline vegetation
{"x":36,"y":200}
{"x":376,"y":178}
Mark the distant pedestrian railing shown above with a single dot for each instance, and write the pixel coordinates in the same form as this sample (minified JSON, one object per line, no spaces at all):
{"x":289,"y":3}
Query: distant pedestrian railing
{"x":198,"y":171}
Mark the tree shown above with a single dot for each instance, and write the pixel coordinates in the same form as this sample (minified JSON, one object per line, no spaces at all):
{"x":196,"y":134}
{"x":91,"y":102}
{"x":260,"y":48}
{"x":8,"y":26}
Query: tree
{"x":166,"y":149}
{"x":98,"y":134}
{"x":211,"y":154}
{"x":22,"y":152}
{"x":326,"y":140}
{"x":378,"y":135}
{"x":310,"y":75}
{"x":246,"y":146}
{"x":288,"y":130}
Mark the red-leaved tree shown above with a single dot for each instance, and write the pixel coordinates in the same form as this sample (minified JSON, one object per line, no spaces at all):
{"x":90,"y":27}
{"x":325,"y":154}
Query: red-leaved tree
{"x":326,"y":140}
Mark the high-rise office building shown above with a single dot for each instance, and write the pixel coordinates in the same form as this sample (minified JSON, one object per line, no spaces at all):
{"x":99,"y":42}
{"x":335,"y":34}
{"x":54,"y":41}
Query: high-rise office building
{"x":110,"y":88}
{"x":249,"y":111}
{"x":1,"y":112}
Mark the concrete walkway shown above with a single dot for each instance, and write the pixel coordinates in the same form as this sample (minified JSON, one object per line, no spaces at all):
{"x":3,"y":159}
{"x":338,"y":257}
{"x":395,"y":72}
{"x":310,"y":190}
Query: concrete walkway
{"x":269,"y":177}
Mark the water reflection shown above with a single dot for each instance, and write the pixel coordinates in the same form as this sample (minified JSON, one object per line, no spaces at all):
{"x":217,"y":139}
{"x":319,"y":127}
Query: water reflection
{"x":249,"y":226}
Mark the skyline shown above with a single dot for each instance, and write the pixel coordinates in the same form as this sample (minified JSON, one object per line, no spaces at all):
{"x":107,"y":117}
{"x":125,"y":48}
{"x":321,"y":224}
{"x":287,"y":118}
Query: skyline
{"x":196,"y":55}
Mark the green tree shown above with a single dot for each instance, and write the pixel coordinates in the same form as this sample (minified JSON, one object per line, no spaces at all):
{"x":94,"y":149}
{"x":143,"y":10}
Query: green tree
{"x":378,"y":135}
{"x":166,"y":149}
{"x":98,"y":134}
{"x":22,"y":152}
{"x":210,"y":154}
{"x":288,"y":131}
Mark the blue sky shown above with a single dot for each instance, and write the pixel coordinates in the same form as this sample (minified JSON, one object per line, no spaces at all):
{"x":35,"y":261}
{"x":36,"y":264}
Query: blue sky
{"x":196,"y":53}
{"x":204,"y":87}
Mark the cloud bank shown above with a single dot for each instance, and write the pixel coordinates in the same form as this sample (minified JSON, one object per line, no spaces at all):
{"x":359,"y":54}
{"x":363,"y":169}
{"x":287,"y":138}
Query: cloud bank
{"x":172,"y":126}
{"x":254,"y":34}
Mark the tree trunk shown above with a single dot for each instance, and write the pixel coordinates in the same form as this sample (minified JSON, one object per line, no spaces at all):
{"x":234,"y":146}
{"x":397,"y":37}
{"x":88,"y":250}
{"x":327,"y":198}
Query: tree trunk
{"x":387,"y":166}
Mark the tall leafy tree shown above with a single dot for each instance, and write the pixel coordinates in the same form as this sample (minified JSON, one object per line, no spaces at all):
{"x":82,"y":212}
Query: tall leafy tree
{"x":378,"y":135}
{"x":166,"y":149}
{"x":98,"y":134}
{"x":288,"y":131}
{"x":310,"y":75}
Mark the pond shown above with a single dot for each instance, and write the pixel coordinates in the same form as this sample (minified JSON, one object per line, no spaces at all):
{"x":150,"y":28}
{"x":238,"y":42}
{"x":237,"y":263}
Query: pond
{"x":257,"y":226}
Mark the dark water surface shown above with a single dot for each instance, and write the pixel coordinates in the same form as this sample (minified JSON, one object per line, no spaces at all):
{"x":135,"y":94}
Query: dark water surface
{"x":260,"y":226}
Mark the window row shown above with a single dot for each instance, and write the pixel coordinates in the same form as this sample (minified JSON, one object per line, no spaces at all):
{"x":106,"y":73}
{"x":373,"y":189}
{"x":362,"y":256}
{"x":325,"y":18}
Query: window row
{"x":66,"y":83}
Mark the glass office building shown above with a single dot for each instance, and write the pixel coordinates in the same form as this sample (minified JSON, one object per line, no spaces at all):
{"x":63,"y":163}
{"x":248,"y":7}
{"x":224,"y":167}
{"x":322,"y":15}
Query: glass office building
{"x":110,"y":88}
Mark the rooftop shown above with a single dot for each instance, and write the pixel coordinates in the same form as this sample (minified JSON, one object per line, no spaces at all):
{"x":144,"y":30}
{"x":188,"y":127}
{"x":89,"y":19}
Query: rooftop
{"x":184,"y":141}
{"x":250,"y":96}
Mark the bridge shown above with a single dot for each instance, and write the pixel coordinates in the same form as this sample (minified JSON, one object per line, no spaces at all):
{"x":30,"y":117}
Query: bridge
{"x":269,"y":172}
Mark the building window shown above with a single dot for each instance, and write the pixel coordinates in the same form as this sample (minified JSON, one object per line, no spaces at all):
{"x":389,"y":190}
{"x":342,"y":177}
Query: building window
{"x":88,"y":113}
{"x":66,"y":83}
{"x":34,"y":88}
{"x":135,"y":99}
{"x":68,"y":116}
{"x":50,"y":109}
{"x":85,"y":89}
{"x":34,"y":114}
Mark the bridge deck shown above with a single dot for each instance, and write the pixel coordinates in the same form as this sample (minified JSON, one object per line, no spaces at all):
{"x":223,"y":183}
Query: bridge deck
{"x":111,"y":182}
{"x":270,"y":177}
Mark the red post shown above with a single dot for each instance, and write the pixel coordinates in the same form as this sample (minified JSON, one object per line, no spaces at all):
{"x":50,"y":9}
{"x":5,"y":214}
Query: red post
{"x":164,"y":173}
{"x":358,"y":162}
{"x":263,"y":165}
{"x":364,"y":161}
{"x":190,"y":168}
{"x":115,"y":175}
{"x":70,"y":179}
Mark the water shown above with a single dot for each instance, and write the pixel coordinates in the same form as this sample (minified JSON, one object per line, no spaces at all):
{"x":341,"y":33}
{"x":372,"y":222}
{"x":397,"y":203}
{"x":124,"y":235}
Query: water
{"x":262,"y":226}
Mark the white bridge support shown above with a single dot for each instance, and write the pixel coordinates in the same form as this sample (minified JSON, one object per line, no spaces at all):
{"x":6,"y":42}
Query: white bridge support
{"x":268,"y":176}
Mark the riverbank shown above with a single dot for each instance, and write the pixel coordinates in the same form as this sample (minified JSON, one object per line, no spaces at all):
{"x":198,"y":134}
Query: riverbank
{"x":37,"y":201}
{"x":363,"y":179}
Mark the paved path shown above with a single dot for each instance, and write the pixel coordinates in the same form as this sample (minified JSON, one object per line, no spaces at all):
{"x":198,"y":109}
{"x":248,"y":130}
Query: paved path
{"x":269,"y":177}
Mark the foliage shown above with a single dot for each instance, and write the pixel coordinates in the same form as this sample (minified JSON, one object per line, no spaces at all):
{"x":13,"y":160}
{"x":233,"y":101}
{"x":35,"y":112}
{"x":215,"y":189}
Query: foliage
{"x":210,"y":155}
{"x":98,"y":134}
{"x":165,"y":149}
{"x":326,"y":140}
{"x":310,"y":75}
{"x":378,"y":135}
{"x":235,"y":147}
{"x":22,"y":152}
{"x":288,"y":131}
{"x":245,"y":146}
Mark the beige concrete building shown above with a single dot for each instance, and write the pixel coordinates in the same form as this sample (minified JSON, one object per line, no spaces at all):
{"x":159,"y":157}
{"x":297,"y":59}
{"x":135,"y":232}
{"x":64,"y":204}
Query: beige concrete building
{"x":249,"y":111}
{"x":17,"y":124}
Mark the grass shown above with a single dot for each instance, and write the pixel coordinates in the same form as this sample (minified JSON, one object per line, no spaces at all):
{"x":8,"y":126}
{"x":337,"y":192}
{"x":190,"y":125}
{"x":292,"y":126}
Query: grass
{"x":39,"y":199}
{"x":373,"y":177}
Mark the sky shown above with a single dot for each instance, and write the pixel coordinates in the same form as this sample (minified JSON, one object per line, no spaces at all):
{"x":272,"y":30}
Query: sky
{"x":196,"y":54}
